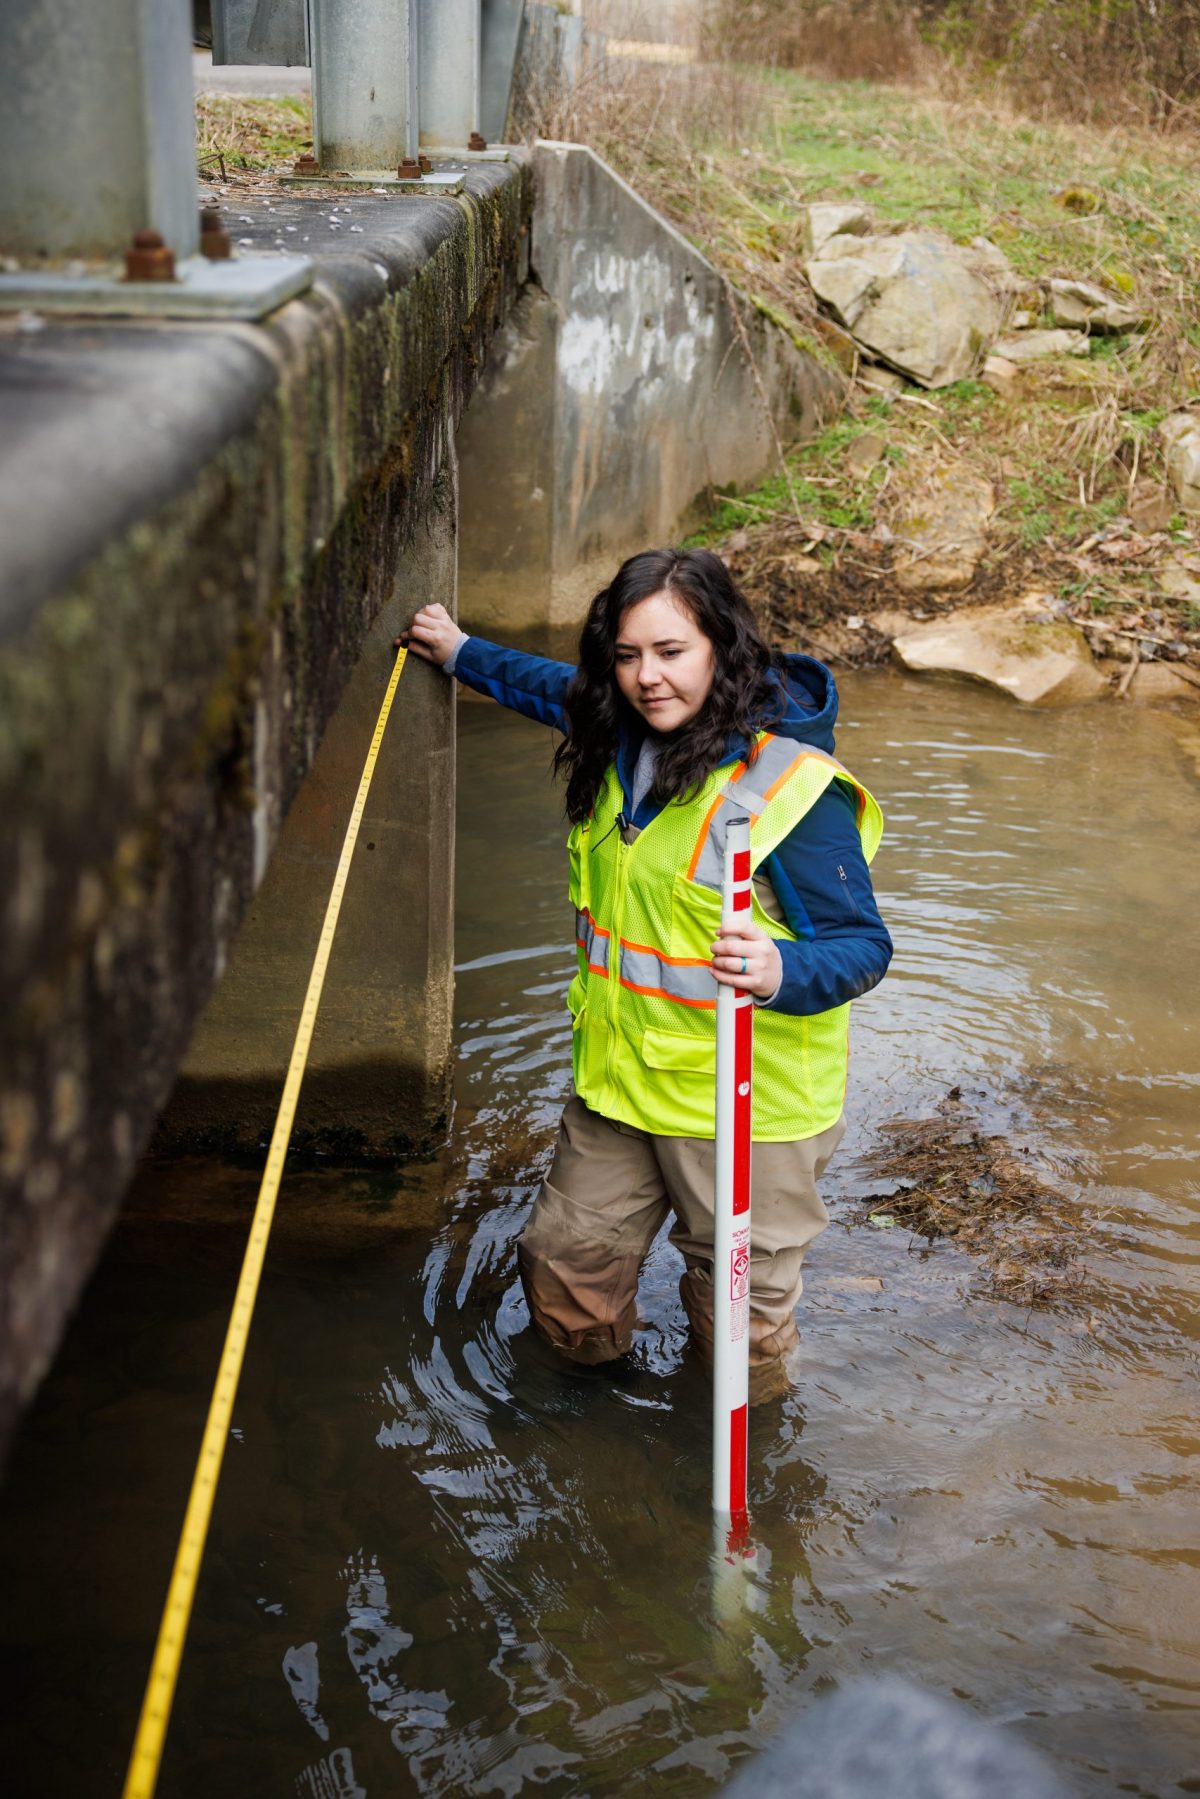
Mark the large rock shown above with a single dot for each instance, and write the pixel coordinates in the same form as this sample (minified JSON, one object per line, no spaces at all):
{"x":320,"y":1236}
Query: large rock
{"x":1028,"y":346}
{"x":831,"y":218}
{"x":887,"y":1737}
{"x":1013,"y":647}
{"x":1155,"y":683}
{"x":1181,"y":435}
{"x":941,"y":527}
{"x":909,"y":300}
{"x":1181,"y":582}
{"x":1081,"y":304}
{"x":988,"y":260}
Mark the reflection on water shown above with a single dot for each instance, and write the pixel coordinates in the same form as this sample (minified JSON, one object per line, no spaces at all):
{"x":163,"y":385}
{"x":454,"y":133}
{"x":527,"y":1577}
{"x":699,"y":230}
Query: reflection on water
{"x":442,"y":1563}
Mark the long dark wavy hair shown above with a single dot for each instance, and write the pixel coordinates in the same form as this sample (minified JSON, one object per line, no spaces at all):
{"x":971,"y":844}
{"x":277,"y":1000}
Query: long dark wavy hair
{"x":744,"y":697}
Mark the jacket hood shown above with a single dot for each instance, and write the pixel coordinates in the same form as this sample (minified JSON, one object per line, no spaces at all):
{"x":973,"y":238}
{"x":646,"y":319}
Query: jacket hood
{"x":812,"y":703}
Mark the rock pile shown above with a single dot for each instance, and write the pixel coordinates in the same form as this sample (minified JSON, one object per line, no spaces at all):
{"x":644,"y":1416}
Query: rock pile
{"x":917,"y":302}
{"x":910,"y":300}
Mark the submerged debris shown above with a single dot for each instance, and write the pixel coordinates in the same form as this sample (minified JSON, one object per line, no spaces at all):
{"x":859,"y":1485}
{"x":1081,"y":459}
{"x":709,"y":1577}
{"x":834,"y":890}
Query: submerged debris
{"x":955,"y":1180}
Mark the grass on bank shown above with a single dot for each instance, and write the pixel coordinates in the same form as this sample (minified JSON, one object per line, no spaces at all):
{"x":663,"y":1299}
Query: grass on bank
{"x":238,"y":136}
{"x":1073,"y":447}
{"x":730,"y":155}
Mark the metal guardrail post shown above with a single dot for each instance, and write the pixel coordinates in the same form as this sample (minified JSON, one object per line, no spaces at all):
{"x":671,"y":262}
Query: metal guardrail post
{"x":450,"y":34}
{"x":97,"y":131}
{"x":99,"y":212}
{"x":570,"y":47}
{"x":260,"y":31}
{"x":501,"y":39}
{"x":364,"y":65}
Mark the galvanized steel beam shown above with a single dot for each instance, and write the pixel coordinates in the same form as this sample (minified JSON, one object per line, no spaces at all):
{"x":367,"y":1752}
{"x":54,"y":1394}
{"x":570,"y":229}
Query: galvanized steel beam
{"x":274,"y":32}
{"x":500,"y":42}
{"x":97,"y":127}
{"x":364,"y":61}
{"x":451,"y":37}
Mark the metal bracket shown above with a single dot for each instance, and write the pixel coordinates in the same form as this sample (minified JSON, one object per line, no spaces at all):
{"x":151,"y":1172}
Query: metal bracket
{"x":378,"y":181}
{"x":455,"y":153}
{"x":244,"y":287}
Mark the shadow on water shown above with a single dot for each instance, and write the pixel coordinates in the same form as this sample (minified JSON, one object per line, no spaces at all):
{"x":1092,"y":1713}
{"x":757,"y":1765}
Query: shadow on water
{"x":443,"y":1563}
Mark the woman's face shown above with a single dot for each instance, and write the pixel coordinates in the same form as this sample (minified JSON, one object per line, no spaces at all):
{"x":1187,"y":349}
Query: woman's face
{"x":664,"y":662}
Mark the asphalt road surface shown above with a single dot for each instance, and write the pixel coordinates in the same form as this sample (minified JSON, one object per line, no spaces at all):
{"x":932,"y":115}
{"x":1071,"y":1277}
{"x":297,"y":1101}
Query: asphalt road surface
{"x":257,"y":79}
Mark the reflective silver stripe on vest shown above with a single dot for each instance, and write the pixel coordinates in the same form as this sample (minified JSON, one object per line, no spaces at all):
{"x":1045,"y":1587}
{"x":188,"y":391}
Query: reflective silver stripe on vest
{"x":692,"y":983}
{"x":775,"y":758}
{"x":592,"y":942}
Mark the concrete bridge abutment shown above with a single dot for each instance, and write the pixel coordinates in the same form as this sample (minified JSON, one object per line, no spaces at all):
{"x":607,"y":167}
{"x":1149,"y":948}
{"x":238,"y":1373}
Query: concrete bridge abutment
{"x":378,"y":1077}
{"x":207,"y":536}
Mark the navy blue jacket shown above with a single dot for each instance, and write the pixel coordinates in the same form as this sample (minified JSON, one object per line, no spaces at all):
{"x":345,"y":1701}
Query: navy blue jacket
{"x":818,"y":871}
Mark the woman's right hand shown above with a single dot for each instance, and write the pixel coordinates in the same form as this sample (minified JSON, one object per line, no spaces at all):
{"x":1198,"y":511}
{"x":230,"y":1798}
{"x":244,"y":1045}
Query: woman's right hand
{"x":432,"y":634}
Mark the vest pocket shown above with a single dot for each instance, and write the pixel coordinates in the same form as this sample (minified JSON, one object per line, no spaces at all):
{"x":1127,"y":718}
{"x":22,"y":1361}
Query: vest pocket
{"x":669,"y":1052}
{"x":695,"y":918}
{"x":680,"y":1074}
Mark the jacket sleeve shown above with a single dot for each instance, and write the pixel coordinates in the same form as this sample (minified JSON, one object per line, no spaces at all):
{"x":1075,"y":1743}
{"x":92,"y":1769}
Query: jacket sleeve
{"x":822,"y":882}
{"x":534,"y":686}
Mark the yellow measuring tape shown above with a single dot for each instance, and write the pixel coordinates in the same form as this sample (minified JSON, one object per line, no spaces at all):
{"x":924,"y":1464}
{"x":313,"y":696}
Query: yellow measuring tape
{"x":164,"y":1670}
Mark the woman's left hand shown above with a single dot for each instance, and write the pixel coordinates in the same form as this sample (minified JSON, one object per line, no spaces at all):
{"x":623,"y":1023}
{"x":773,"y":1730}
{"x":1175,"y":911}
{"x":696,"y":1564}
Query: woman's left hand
{"x":749,"y":960}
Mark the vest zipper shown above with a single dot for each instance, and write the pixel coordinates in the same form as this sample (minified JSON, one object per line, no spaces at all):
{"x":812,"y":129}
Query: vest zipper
{"x":614,"y":957}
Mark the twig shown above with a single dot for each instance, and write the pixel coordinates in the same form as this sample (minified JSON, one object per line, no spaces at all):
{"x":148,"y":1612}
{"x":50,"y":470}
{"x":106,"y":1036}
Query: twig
{"x":916,"y":400}
{"x":1142,"y":637}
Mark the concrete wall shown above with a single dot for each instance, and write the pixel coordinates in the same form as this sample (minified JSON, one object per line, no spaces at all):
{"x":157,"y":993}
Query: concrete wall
{"x":622,"y":390}
{"x":379,"y":1071}
{"x":200,"y":527}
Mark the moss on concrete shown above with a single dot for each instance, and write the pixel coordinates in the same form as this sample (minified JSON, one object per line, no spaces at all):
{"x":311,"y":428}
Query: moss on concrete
{"x":159,"y":714}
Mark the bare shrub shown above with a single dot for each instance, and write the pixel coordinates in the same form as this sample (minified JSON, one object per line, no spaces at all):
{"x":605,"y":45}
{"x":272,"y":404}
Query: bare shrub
{"x":869,"y":40}
{"x":691,"y":137}
{"x":1085,"y":59}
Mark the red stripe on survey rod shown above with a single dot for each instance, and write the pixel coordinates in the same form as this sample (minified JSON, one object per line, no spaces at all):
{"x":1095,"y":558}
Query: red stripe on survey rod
{"x":731,"y":1237}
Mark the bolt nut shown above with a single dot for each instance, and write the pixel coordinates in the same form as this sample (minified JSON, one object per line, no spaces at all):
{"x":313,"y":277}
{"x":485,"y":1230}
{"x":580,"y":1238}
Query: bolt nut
{"x":214,"y":240}
{"x":426,"y":165}
{"x":306,"y":164}
{"x":409,"y":169}
{"x":148,"y":258}
{"x":476,"y":141}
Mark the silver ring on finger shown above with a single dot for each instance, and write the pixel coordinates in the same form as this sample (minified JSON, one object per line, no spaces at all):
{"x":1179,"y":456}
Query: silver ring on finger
{"x":743,"y":964}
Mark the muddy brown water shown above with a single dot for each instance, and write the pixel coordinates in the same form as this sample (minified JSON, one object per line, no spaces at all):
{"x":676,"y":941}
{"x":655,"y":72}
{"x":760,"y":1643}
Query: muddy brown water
{"x":442,"y":1564}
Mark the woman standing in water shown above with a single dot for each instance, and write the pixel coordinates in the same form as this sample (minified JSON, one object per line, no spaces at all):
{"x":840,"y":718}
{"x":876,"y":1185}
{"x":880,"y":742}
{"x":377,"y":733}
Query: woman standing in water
{"x":678,"y":717}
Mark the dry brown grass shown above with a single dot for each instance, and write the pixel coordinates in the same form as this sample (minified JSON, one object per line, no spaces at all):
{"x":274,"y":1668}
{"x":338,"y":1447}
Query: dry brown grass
{"x":951,"y":1180}
{"x":238,"y":137}
{"x":869,"y":40}
{"x":1094,"y":61}
{"x":690,"y":139}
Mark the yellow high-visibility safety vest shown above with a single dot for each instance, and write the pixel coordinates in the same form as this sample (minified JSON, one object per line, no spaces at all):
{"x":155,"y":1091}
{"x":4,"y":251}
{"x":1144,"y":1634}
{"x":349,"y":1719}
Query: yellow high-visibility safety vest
{"x":643,"y":1003}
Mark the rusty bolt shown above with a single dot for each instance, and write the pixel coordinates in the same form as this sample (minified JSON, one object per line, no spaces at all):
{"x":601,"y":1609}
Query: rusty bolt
{"x":214,"y":241}
{"x":306,"y":164}
{"x":476,"y":141}
{"x":409,"y":169}
{"x":426,"y":165}
{"x":149,"y":259}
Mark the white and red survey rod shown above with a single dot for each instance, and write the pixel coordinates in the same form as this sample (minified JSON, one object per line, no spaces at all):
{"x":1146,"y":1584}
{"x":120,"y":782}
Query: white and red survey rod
{"x":731,"y":1266}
